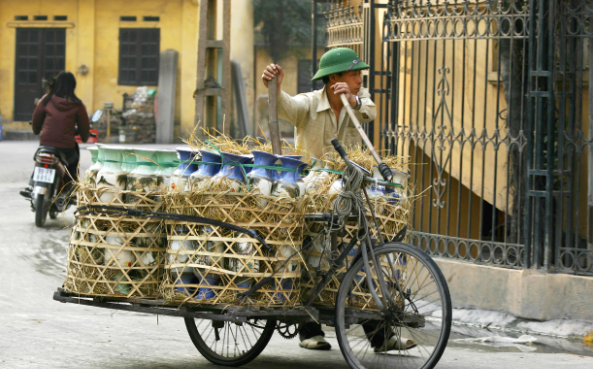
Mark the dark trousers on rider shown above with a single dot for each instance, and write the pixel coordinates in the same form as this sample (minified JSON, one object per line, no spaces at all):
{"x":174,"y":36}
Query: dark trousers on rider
{"x":375,"y":334}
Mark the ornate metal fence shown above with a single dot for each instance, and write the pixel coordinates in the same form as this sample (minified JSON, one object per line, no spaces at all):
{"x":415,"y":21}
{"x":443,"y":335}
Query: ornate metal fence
{"x":559,"y":208}
{"x":455,"y":108}
{"x":488,"y":100}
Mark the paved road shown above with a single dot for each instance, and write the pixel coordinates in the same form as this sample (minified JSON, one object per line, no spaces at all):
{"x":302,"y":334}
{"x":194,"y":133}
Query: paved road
{"x":37,"y":332}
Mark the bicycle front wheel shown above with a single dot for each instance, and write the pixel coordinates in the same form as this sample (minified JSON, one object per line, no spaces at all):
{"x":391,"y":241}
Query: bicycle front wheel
{"x":413,"y":330}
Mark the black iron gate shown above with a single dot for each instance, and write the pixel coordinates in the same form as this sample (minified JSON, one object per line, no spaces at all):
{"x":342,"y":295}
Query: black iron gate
{"x":486,"y":98}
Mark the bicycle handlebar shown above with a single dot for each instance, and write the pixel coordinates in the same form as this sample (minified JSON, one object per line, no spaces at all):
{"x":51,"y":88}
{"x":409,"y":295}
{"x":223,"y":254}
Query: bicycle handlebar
{"x":383,"y":168}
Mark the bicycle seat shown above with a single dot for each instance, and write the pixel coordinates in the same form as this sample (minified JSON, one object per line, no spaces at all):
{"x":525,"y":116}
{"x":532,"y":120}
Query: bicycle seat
{"x":52,"y":150}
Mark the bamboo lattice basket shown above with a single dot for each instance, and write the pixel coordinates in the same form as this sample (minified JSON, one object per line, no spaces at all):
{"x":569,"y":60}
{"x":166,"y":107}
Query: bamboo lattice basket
{"x":212,"y":265}
{"x":391,"y":217}
{"x":115,"y":255}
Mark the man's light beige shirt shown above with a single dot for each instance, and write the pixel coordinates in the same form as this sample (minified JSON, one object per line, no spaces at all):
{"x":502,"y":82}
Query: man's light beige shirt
{"x":315,"y":121}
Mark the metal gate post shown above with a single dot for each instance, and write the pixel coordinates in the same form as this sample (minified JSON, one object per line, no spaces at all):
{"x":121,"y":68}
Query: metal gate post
{"x":540,"y":120}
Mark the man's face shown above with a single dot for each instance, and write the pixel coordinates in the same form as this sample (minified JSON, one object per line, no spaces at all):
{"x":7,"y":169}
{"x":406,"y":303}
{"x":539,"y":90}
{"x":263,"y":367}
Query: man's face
{"x":353,"y":78}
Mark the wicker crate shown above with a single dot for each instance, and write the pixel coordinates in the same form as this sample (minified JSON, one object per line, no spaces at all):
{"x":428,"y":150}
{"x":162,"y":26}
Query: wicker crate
{"x":115,"y":255}
{"x":212,"y":265}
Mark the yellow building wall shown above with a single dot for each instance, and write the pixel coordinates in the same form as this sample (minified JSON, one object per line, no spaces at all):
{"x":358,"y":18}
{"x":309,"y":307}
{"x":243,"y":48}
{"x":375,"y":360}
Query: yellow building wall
{"x":92,"y":40}
{"x":11,"y":8}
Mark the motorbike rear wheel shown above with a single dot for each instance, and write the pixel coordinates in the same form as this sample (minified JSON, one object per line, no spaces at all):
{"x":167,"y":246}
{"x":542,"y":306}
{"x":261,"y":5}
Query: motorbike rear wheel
{"x":41,"y":208}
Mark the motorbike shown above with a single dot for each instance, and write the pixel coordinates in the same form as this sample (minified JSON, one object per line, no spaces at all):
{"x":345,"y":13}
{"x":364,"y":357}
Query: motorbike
{"x":46,"y":192}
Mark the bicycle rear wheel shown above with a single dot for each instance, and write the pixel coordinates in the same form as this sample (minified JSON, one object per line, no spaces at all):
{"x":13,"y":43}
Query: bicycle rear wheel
{"x":228,"y":343}
{"x":419,"y":312}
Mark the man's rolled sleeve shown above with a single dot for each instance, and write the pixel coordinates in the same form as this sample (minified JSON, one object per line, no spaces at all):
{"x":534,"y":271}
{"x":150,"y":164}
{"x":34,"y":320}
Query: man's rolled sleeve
{"x":293,"y":109}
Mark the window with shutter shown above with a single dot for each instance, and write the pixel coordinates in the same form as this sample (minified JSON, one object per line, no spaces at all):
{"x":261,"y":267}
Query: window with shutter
{"x":139,"y":50}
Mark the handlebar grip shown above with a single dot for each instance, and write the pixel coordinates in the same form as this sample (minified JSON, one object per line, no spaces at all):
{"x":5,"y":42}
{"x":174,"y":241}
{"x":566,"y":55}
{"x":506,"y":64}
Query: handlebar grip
{"x":339,"y":148}
{"x":385,"y":171}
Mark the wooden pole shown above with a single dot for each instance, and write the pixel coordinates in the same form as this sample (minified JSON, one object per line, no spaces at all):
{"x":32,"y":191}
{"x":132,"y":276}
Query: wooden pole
{"x":590,"y":156}
{"x":273,"y":113}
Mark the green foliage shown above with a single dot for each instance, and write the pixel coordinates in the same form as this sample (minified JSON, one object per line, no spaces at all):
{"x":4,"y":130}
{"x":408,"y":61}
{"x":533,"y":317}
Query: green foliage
{"x":284,"y":23}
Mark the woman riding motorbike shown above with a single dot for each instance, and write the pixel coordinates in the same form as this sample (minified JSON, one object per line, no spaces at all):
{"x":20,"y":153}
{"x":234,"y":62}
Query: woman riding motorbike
{"x":55,"y":119}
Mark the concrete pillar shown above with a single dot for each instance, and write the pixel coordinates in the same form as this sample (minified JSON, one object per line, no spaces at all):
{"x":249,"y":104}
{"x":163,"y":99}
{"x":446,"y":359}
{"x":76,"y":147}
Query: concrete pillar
{"x":188,"y":70}
{"x":242,"y":47}
{"x":86,"y":53}
{"x":165,"y":120}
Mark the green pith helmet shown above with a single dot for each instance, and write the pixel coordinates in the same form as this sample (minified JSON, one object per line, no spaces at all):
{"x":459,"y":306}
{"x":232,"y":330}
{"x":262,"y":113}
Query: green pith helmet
{"x":340,"y":59}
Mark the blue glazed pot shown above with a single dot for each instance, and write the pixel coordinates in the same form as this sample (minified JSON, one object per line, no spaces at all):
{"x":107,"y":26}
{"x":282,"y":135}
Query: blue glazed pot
{"x":185,"y":168}
{"x":287,"y":185}
{"x":262,"y":178}
{"x":231,"y":168}
{"x":205,"y":293}
{"x":200,"y":178}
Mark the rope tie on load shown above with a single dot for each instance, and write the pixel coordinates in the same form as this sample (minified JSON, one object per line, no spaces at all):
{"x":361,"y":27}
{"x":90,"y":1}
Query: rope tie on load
{"x":350,"y":201}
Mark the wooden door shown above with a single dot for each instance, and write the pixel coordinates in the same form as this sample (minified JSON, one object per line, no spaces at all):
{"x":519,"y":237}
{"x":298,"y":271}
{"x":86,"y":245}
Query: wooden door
{"x":40,"y":55}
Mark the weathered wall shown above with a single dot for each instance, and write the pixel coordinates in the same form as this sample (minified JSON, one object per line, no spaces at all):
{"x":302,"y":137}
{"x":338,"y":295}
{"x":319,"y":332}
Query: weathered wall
{"x":11,"y":8}
{"x":92,"y":39}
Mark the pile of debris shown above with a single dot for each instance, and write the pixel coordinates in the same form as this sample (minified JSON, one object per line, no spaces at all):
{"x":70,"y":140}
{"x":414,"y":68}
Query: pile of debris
{"x":138,"y":115}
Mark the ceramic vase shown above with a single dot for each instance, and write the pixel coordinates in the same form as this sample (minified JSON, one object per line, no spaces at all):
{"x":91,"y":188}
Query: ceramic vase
{"x":128,"y":159}
{"x":287,"y":186}
{"x":262,"y":179}
{"x":201,"y":178}
{"x":143,"y":177}
{"x":316,"y":179}
{"x":395,"y":193}
{"x":232,"y":174}
{"x":250,"y":266}
{"x":167,"y":163}
{"x":182,"y":275}
{"x":202,"y":275}
{"x":119,"y":259}
{"x":187,"y":165}
{"x":111,"y":177}
{"x":290,"y":267}
{"x":90,"y":176}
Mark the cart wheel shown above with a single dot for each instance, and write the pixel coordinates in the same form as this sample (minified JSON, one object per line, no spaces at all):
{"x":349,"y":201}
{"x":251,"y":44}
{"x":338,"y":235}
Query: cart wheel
{"x":229,"y":343}
{"x":414,"y":331}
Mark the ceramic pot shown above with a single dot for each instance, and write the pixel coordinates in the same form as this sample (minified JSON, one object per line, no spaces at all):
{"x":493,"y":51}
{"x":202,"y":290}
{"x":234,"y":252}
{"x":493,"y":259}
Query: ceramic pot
{"x":128,"y":159}
{"x":167,"y":163}
{"x":143,"y":177}
{"x":187,"y":165}
{"x":201,"y":274}
{"x":250,"y":266}
{"x":119,"y":259}
{"x":395,"y":193}
{"x":231,"y":173}
{"x":290,"y":267}
{"x":201,"y":178}
{"x":111,"y":176}
{"x":263,"y":179}
{"x":287,"y":186}
{"x":90,"y":176}
{"x":182,"y":275}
